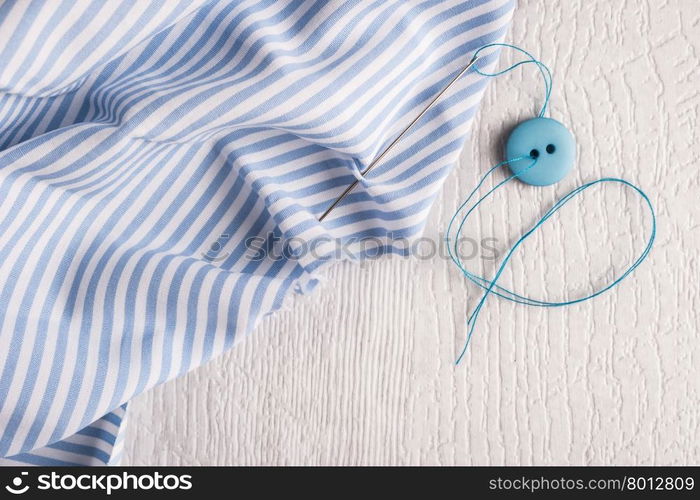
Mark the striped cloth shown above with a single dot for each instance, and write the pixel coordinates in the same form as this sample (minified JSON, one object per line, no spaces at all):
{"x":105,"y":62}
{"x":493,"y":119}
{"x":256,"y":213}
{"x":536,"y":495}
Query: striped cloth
{"x":154,"y":152}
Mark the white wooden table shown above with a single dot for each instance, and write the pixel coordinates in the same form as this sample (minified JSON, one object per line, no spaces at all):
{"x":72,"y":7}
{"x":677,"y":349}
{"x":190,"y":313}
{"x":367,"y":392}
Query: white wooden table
{"x":361,"y":372}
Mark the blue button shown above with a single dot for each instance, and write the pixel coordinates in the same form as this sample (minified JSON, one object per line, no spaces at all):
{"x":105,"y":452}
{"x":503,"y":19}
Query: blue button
{"x":549,"y":143}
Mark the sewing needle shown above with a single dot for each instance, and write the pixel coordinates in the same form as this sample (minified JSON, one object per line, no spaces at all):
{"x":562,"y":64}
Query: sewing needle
{"x":398,"y":138}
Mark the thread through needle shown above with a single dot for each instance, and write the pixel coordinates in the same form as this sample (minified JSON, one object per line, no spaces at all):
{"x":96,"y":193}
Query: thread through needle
{"x":386,"y":151}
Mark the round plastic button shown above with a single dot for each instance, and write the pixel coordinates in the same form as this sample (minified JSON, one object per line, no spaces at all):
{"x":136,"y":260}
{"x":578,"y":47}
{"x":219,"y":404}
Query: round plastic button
{"x":549,"y":142}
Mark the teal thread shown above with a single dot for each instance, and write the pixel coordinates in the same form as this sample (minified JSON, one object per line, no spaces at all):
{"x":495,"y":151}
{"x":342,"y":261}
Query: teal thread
{"x":544,"y":70}
{"x":491,"y":286}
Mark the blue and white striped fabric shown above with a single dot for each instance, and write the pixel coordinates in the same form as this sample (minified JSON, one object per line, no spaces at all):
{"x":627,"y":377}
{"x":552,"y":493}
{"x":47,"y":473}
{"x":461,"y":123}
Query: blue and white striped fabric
{"x":144,"y":144}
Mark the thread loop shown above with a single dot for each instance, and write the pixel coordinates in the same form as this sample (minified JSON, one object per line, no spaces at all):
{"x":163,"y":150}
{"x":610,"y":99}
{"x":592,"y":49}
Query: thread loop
{"x":490,"y":286}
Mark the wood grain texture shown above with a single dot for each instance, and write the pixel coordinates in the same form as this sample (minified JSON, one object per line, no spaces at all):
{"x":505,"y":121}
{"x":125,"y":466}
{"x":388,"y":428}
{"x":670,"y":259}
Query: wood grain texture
{"x":361,"y":371}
